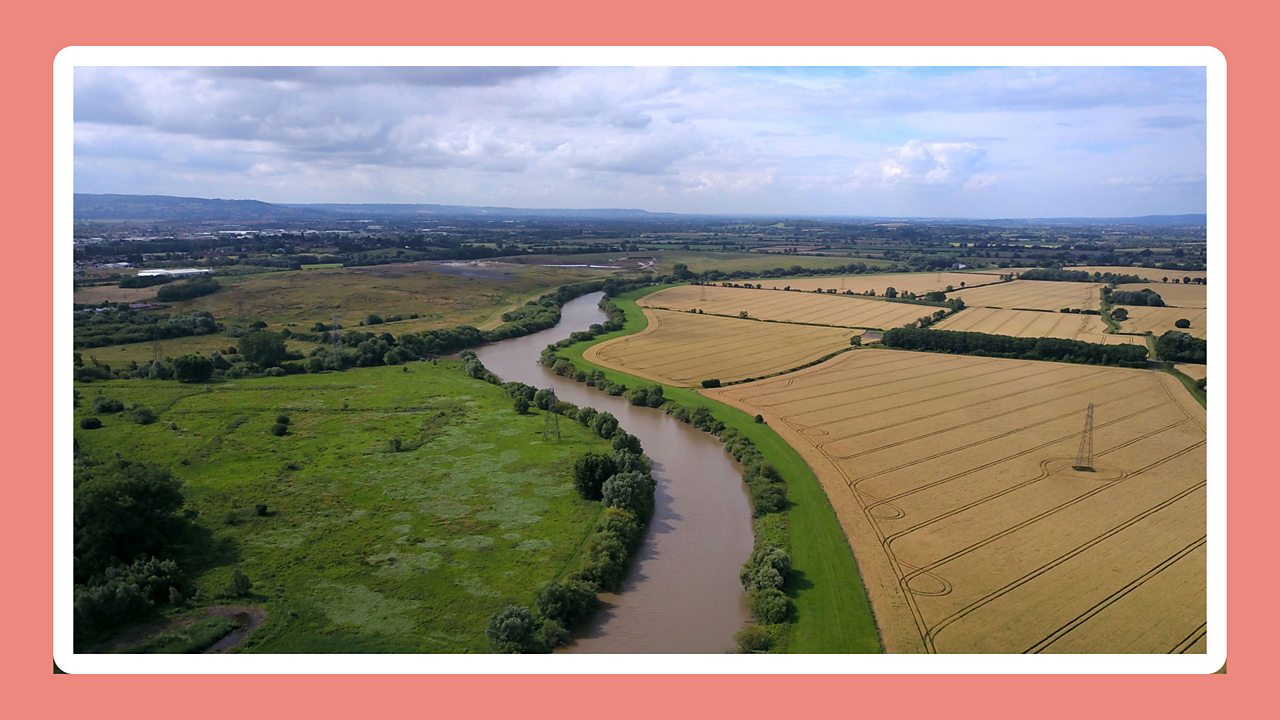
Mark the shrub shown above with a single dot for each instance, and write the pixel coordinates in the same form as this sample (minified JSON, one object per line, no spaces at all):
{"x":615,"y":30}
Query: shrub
{"x":590,"y":471}
{"x":512,"y":630}
{"x":625,"y":525}
{"x":770,"y":606}
{"x":631,"y":491}
{"x":604,"y":561}
{"x":282,"y":419}
{"x":90,"y":423}
{"x":1182,"y":323}
{"x":565,"y":602}
{"x":142,"y":415}
{"x":753,"y":638}
{"x":712,"y":383}
{"x":759,"y":418}
{"x":239,"y":585}
{"x":279,"y":429}
{"x":192,"y":368}
{"x":521,"y":405}
{"x":103,"y":404}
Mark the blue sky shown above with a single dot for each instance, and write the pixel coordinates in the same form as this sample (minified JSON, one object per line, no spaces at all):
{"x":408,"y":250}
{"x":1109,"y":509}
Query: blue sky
{"x":928,"y":142}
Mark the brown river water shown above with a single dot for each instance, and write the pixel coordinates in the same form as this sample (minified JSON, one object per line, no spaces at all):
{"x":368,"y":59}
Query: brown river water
{"x":682,"y":594}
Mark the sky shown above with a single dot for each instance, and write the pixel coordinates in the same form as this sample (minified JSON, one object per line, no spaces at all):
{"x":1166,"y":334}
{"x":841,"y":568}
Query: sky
{"x":916,"y":142}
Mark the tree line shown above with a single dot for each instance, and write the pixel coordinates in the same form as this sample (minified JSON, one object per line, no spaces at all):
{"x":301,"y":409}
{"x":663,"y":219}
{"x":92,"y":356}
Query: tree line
{"x":1030,"y":348}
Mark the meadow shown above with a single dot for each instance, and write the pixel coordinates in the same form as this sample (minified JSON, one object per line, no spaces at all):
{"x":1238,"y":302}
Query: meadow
{"x":403,"y":507}
{"x":953,"y":478}
{"x":681,"y":348}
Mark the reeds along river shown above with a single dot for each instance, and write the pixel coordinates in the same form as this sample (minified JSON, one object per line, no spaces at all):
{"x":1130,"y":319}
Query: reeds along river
{"x":682,"y":594}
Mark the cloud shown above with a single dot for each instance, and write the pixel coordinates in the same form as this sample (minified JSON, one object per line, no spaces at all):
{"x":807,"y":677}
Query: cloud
{"x":932,"y":163}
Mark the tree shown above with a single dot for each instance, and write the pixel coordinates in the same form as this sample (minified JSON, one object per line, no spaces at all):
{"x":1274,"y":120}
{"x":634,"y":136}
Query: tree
{"x":891,"y":292}
{"x":263,"y":348}
{"x":192,"y":368}
{"x":565,"y":602}
{"x":240,"y":584}
{"x":630,"y":491}
{"x":521,"y":404}
{"x":122,"y":511}
{"x":680,"y":271}
{"x":1182,"y":323}
{"x":590,"y":471}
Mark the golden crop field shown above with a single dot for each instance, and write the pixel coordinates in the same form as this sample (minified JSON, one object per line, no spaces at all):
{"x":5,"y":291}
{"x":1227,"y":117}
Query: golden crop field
{"x":953,"y":478}
{"x":817,"y":308}
{"x":918,"y":283}
{"x":1032,"y":323}
{"x":1157,"y":320}
{"x":1034,"y":294}
{"x":1192,"y":370}
{"x":1175,"y":295}
{"x":1152,"y":274}
{"x":680,"y":348}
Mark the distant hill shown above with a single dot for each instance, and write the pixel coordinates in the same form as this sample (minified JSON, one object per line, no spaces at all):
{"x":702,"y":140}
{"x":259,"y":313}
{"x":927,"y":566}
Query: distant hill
{"x":400,"y":210}
{"x":182,"y":209}
{"x":166,"y":208}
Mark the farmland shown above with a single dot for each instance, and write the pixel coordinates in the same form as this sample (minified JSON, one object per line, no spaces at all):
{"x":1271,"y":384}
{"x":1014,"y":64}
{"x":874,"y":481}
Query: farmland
{"x":814,"y":308}
{"x":442,"y":295}
{"x":1153,"y":274}
{"x":363,"y":548}
{"x":1033,"y":294}
{"x":1175,"y":295}
{"x":681,"y":348}
{"x":1158,"y":320}
{"x":918,"y":283}
{"x":1032,"y":323}
{"x":952,"y":477}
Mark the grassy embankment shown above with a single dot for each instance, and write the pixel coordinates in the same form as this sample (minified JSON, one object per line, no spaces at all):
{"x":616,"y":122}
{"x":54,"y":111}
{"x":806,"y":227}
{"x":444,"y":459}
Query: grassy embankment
{"x":833,"y":614}
{"x":361,"y":548}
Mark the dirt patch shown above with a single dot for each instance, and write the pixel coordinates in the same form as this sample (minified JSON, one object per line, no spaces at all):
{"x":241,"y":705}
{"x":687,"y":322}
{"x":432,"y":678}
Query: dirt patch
{"x":247,"y":619}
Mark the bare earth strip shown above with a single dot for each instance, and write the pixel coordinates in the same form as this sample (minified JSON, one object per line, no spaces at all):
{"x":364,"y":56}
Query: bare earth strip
{"x":1157,"y":320}
{"x":685,"y":349}
{"x":802,"y":307}
{"x":1035,"y":294}
{"x":952,"y":476}
{"x":918,"y":283}
{"x":1030,"y":323}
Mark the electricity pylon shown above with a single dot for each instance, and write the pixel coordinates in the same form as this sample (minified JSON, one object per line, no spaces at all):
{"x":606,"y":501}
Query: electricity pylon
{"x":1084,"y":456}
{"x":551,"y":420}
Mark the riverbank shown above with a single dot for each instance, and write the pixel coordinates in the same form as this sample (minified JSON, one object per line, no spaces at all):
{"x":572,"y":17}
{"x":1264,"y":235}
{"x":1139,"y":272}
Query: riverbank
{"x":832,"y":612}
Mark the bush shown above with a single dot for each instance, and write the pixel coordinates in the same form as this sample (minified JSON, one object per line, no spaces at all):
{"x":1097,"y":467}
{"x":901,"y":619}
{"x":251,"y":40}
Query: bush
{"x":142,"y":415}
{"x":279,"y":429}
{"x":105,"y":405}
{"x":282,"y":419}
{"x":565,"y":602}
{"x":521,"y":405}
{"x":512,"y":630}
{"x":192,"y":368}
{"x":625,"y":525}
{"x":630,"y":491}
{"x":759,"y":419}
{"x":90,"y":423}
{"x":590,"y":471}
{"x":770,"y":606}
{"x":604,"y":561}
{"x":712,"y":383}
{"x":239,"y":585}
{"x":1182,"y":323}
{"x":753,"y":638}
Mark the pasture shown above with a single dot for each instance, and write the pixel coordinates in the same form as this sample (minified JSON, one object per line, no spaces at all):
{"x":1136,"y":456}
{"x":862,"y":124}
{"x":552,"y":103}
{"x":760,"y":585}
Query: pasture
{"x":363,"y":548}
{"x":918,"y":283}
{"x":1033,"y":294}
{"x":118,"y":356}
{"x":1158,"y":320}
{"x":1032,"y":323}
{"x":683,"y":349}
{"x":442,"y":295}
{"x":799,"y":307}
{"x":953,"y":479}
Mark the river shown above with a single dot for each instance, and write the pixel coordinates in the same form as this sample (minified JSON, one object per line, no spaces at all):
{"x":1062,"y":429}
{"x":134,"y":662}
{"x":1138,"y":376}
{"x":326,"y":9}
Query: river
{"x":682,"y":594}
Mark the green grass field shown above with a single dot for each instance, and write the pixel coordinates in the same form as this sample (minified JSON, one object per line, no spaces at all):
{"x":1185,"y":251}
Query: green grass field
{"x":363,"y":549}
{"x":833,"y":614}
